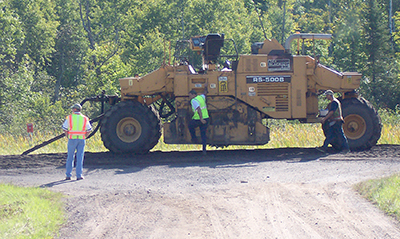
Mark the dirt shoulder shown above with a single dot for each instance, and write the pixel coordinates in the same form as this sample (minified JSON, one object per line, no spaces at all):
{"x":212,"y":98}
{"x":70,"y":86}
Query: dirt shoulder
{"x":275,"y":193}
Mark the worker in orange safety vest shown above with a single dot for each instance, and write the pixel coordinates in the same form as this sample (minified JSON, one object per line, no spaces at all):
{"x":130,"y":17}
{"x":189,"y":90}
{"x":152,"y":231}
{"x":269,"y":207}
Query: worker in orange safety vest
{"x":76,"y":127}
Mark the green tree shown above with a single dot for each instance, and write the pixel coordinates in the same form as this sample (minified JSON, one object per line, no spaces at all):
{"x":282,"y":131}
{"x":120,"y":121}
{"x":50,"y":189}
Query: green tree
{"x":103,"y":22}
{"x":70,"y":49}
{"x":381,"y":72}
{"x":12,"y":38}
{"x":348,"y":48}
{"x":10,"y":41}
{"x":39,"y":25}
{"x":396,"y":34}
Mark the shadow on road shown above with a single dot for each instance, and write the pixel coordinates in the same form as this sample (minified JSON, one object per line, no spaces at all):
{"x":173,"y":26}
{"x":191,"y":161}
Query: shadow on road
{"x":130,"y":163}
{"x":52,"y":184}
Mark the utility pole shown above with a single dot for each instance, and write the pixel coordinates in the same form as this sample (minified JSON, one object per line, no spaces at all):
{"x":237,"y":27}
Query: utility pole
{"x":261,"y":23}
{"x":283,"y":22}
{"x":391,"y":17}
{"x":182,"y":20}
{"x":391,"y":23}
{"x":330,"y":11}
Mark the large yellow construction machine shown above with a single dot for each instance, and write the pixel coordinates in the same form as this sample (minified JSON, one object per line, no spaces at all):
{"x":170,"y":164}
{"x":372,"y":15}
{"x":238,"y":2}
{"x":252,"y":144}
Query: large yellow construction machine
{"x":269,"y":83}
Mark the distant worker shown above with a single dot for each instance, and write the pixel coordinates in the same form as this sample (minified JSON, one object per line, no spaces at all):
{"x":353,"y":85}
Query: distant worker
{"x":76,"y":127}
{"x":335,"y":120}
{"x":200,"y":117}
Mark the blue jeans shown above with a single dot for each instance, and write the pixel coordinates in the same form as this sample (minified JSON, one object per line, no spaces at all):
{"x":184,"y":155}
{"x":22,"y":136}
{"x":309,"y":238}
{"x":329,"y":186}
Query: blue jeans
{"x":193,"y":124}
{"x":77,"y":145}
{"x":336,"y":131}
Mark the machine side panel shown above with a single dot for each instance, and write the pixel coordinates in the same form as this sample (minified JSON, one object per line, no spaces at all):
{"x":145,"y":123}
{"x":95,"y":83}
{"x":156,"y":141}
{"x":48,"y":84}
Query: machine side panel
{"x":157,"y":81}
{"x":299,"y":89}
{"x":324,"y":78}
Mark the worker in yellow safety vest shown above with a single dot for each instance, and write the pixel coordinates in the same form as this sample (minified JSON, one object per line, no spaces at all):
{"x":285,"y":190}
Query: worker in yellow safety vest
{"x":76,"y":127}
{"x":200,"y":117}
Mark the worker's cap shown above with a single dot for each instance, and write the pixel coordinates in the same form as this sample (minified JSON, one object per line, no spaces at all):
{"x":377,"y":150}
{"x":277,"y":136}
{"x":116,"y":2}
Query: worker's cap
{"x":328,"y":92}
{"x":193,"y":92}
{"x":77,"y":106}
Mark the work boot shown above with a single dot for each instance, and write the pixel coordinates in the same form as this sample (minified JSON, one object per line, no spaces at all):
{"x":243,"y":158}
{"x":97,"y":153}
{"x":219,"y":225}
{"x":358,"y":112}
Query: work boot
{"x":345,"y":151}
{"x":204,"y":150}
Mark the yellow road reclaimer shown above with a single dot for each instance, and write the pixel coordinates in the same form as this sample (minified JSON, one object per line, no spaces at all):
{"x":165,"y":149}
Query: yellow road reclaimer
{"x":270,"y":82}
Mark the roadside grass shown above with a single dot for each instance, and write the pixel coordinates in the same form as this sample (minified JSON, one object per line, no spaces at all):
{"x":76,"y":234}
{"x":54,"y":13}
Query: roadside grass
{"x":384,"y":193}
{"x":283,"y":134}
{"x":29,"y":212}
{"x":12,"y":145}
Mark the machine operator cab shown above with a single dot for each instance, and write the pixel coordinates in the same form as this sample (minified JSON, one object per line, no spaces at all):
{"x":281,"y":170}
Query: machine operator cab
{"x":210,"y":48}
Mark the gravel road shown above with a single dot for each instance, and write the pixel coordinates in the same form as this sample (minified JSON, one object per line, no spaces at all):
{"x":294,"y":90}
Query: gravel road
{"x":272,"y":193}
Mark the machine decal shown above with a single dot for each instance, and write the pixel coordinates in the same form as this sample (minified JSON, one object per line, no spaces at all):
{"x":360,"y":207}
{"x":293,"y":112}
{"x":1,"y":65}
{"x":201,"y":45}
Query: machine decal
{"x":279,"y":65}
{"x":267,"y":79}
{"x":223,"y":84}
{"x":263,"y":64}
{"x":213,"y":86}
{"x":269,"y":109}
{"x":198,"y":85}
{"x":349,"y":80}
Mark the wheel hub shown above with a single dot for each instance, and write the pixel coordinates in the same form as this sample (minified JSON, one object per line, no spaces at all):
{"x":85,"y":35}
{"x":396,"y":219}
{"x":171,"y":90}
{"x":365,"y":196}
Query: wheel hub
{"x":354,"y":126}
{"x":129,"y":130}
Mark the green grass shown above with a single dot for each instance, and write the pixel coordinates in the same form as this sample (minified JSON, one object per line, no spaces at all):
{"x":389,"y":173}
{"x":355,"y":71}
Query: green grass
{"x":29,"y":212}
{"x":18,"y":144}
{"x":384,"y":193}
{"x":282,"y":134}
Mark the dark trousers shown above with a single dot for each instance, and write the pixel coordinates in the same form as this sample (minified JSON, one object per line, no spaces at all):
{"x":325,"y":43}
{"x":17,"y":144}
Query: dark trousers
{"x":336,"y":131}
{"x":193,"y":124}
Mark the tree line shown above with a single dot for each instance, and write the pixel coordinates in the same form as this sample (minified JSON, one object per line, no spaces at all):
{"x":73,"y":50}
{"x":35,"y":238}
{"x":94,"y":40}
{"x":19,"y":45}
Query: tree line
{"x":57,"y":52}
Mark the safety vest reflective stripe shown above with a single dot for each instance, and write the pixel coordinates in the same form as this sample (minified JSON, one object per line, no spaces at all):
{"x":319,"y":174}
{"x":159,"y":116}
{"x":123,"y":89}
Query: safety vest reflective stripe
{"x":76,"y":132}
{"x":75,"y":121}
{"x":70,"y":122}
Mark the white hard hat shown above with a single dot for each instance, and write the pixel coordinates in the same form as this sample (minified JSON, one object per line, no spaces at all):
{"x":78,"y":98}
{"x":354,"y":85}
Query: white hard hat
{"x":77,"y":106}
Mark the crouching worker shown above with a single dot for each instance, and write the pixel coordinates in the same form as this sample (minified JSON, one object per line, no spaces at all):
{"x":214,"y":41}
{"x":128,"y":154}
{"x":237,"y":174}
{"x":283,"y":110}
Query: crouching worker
{"x":200,"y":117}
{"x":335,"y":120}
{"x":76,"y":127}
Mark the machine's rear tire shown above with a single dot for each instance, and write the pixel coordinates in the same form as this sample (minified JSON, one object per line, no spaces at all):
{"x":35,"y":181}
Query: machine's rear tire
{"x":130,"y":127}
{"x":362,"y":124}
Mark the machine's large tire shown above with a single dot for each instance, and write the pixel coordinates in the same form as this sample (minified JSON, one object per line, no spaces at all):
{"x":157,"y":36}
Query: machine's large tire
{"x":130,"y":127}
{"x":362,"y":124}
